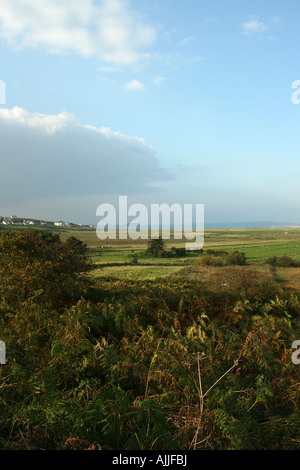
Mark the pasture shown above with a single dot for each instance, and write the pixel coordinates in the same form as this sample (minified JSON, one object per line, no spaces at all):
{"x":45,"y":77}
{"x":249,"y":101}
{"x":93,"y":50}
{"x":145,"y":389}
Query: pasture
{"x":114,"y":258}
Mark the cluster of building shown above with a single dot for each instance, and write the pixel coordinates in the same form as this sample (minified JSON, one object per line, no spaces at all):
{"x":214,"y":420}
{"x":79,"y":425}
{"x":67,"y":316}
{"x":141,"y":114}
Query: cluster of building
{"x":14,"y":220}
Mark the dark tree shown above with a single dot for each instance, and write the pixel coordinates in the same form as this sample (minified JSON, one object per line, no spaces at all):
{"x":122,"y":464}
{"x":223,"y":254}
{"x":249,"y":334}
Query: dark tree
{"x":156,"y":247}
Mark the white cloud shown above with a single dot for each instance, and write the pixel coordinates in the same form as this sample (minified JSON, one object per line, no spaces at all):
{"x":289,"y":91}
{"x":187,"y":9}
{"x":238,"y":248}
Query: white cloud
{"x":135,"y":85}
{"x":254,"y":27}
{"x":47,"y":123}
{"x":187,"y":40}
{"x":56,"y":157}
{"x":107,"y":29}
{"x":159,"y":80}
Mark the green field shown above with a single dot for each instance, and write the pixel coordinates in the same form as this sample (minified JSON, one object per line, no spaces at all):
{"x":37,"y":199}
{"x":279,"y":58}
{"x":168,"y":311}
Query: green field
{"x":113,"y":257}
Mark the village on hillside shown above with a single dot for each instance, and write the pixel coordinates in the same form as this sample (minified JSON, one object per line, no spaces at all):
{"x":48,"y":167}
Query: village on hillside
{"x":15,"y":220}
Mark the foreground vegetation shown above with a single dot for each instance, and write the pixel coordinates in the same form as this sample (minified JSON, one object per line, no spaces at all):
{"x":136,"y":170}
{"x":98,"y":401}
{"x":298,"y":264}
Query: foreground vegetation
{"x":200,"y":359}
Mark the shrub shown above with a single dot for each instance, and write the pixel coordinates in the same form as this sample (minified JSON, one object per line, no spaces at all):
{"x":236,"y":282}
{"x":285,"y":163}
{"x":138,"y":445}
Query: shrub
{"x":178,"y":251}
{"x":236,"y":258}
{"x":39,"y":264}
{"x":283,"y":261}
{"x":209,"y":260}
{"x":134,"y":259}
{"x":272,"y":261}
{"x":216,"y":252}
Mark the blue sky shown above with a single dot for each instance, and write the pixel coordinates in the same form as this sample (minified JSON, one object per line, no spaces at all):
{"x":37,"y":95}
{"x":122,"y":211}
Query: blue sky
{"x":161,"y":100}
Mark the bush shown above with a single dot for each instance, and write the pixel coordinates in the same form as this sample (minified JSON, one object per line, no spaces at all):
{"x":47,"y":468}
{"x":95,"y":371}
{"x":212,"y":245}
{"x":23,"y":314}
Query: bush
{"x":216,"y":252}
{"x":39,"y":264}
{"x":134,"y":259}
{"x":271,"y":261}
{"x":283,"y":261}
{"x":178,"y":251}
{"x":209,"y":260}
{"x":236,"y":258}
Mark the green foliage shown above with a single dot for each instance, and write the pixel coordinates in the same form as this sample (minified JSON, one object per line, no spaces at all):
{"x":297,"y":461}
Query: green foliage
{"x":216,"y":252}
{"x":282,"y":261}
{"x":236,"y":258}
{"x":142,"y":365}
{"x":178,"y":251}
{"x":39,"y":265}
{"x":272,"y":261}
{"x":77,"y":246}
{"x":134,"y":259}
{"x":209,"y":260}
{"x":156,"y":247}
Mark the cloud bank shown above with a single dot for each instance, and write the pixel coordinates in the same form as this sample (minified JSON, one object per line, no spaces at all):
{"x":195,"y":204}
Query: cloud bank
{"x":45,"y":156}
{"x":107,"y":29}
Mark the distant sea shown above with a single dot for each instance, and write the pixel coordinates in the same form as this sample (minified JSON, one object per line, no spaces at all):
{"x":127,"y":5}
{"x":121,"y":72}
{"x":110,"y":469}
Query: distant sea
{"x":251,"y":225}
{"x":225,"y":225}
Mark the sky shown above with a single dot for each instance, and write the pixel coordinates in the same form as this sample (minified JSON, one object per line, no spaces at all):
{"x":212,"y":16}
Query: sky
{"x":164,"y":101}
